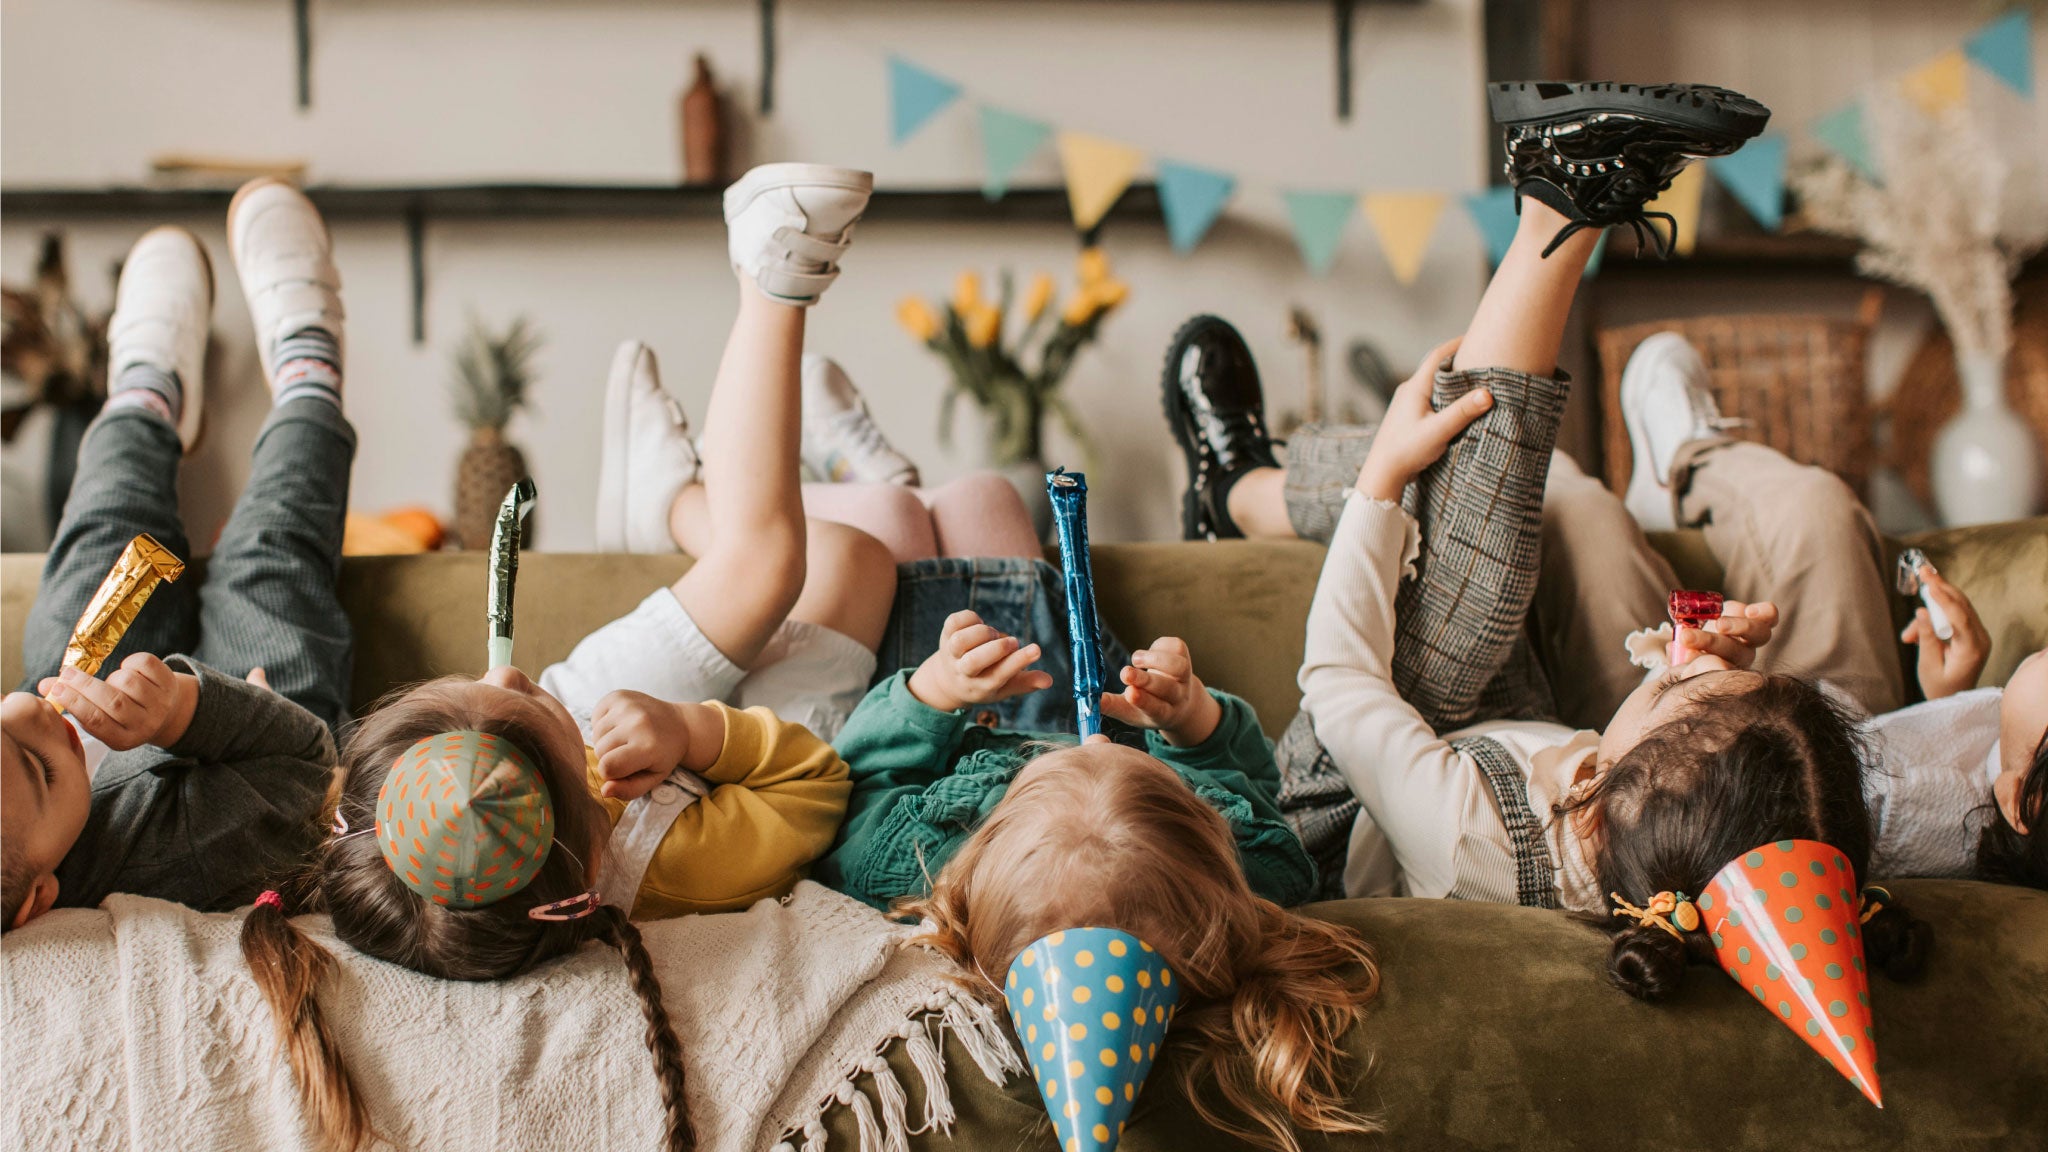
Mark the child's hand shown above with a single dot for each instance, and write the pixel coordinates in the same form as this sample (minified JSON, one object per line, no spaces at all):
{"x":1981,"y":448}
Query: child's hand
{"x":1734,"y":637}
{"x":975,"y":664}
{"x":1948,"y":666}
{"x":639,"y":740}
{"x":1162,"y":691}
{"x":143,"y":702}
{"x":1412,"y":436}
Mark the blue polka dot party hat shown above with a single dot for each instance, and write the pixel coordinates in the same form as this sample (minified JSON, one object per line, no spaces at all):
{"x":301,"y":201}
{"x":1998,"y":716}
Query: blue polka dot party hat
{"x":1784,"y":919}
{"x":1091,"y":1006}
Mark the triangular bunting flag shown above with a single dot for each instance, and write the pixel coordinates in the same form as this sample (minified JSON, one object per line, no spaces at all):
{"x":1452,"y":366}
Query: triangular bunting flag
{"x":1404,"y":222}
{"x":1756,"y":176}
{"x":1682,"y":200}
{"x":1842,"y":132}
{"x":2005,"y":48}
{"x":915,"y":96}
{"x":1493,"y":213}
{"x":1937,"y":85}
{"x":1191,"y":198}
{"x":1097,"y":171}
{"x":1007,"y":141}
{"x":1318,"y":219}
{"x":1593,"y":261}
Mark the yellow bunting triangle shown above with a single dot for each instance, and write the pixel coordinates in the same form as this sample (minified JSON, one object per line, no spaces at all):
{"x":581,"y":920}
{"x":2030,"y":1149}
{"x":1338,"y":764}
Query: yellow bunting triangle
{"x":1682,"y":200}
{"x":1097,"y":171}
{"x":1404,"y":221}
{"x":1938,"y":84}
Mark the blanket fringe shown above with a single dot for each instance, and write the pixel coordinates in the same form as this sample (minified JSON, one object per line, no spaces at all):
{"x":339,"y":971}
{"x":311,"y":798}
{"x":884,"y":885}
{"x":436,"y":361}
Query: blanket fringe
{"x":930,"y":1063}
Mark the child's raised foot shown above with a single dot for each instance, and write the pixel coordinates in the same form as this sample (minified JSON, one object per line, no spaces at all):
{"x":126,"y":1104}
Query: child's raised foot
{"x":1666,"y":403}
{"x":1598,"y":152}
{"x":841,"y":441}
{"x":645,"y":458}
{"x":156,"y":341}
{"x":286,"y":264}
{"x":788,"y":225}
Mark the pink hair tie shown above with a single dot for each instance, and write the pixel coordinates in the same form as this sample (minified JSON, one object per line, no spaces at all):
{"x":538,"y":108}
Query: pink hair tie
{"x":574,"y":908}
{"x":270,"y":899}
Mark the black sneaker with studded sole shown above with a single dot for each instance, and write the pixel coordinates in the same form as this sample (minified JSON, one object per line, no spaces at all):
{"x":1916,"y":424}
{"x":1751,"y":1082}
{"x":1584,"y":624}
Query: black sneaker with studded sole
{"x":1210,"y":389}
{"x":1597,"y":152}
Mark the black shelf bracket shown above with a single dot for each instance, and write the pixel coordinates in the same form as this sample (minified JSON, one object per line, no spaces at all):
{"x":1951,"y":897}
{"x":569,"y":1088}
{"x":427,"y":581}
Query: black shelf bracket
{"x":302,"y":29}
{"x":1345,"y":10}
{"x":416,"y":252}
{"x":767,"y":57}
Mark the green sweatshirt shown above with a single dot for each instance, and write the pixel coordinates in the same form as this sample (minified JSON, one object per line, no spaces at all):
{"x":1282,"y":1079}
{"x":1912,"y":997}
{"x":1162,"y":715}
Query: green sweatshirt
{"x":924,"y":779}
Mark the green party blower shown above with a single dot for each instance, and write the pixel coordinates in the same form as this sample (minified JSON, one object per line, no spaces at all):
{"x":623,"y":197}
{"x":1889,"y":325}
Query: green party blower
{"x":505,"y":538}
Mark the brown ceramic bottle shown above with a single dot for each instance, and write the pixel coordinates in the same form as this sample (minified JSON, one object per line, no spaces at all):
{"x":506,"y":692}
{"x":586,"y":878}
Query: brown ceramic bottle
{"x":703,"y":129}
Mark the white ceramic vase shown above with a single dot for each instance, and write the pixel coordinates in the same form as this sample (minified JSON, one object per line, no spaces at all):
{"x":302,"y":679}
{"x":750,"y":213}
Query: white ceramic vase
{"x":1986,"y":464}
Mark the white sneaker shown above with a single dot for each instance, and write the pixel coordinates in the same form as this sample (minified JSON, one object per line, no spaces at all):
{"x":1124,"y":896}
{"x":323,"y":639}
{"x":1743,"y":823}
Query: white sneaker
{"x":286,"y":263}
{"x":787,"y":225}
{"x":841,"y":443}
{"x":645,"y":459}
{"x":1666,"y":403}
{"x":163,"y":308}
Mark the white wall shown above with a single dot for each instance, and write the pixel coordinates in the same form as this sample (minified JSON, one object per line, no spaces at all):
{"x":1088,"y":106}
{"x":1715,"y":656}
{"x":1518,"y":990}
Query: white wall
{"x":527,"y":89}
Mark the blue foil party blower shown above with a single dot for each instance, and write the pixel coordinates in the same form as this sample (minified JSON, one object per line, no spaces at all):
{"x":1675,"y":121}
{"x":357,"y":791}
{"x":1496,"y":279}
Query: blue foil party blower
{"x":1069,"y":494}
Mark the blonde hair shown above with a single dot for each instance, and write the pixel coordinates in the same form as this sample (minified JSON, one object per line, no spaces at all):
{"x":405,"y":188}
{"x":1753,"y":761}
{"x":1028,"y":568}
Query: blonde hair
{"x":1110,"y":837}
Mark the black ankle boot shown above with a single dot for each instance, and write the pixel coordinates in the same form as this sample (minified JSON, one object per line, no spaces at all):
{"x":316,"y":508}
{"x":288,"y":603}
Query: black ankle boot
{"x":1218,"y":414}
{"x":1597,"y":152}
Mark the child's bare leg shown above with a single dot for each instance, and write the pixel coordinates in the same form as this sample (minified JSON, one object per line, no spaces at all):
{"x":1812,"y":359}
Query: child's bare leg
{"x":1258,"y":505}
{"x":982,"y":515}
{"x":891,"y":513}
{"x":851,"y":586}
{"x":1519,"y":324}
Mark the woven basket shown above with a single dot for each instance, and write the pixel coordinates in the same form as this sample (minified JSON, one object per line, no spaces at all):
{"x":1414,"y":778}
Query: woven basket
{"x":1796,"y":381}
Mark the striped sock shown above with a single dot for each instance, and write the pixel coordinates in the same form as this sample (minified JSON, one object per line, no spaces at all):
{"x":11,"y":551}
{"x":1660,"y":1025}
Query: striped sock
{"x":148,"y":387}
{"x":308,"y":366}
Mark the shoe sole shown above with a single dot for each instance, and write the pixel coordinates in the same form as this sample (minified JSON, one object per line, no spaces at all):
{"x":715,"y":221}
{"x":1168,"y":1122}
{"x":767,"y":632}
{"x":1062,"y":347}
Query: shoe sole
{"x":1194,"y":519}
{"x":611,"y":470}
{"x":194,"y":399}
{"x":1717,"y":110}
{"x":769,"y":177}
{"x":235,"y":205}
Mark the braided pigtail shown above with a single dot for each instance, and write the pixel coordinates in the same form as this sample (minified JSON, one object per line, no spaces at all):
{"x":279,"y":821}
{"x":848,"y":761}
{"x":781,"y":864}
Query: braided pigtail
{"x":612,"y":924}
{"x":288,"y":967}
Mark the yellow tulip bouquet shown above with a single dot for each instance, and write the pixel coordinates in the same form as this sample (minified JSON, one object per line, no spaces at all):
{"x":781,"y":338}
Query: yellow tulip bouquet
{"x":967,"y":332}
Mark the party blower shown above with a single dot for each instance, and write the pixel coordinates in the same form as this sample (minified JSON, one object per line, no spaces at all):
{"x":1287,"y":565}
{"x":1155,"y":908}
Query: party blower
{"x":1092,"y":1006}
{"x":1069,"y":493}
{"x":142,"y":565}
{"x":506,"y":537}
{"x":1786,"y":922}
{"x":1910,"y":584}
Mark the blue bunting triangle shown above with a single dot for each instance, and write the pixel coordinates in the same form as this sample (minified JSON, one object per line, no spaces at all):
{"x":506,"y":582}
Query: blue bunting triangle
{"x":1191,"y":198}
{"x":1318,"y":219}
{"x":2005,"y":48}
{"x":1007,"y":141}
{"x":1756,"y":175}
{"x":1842,"y":132}
{"x":1493,"y":213}
{"x":915,"y":96}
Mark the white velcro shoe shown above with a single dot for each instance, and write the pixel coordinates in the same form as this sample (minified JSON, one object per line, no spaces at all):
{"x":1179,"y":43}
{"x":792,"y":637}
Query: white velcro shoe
{"x":787,"y":225}
{"x":286,"y":263}
{"x":163,"y":308}
{"x":841,"y":443}
{"x":1667,"y":404}
{"x":645,"y":459}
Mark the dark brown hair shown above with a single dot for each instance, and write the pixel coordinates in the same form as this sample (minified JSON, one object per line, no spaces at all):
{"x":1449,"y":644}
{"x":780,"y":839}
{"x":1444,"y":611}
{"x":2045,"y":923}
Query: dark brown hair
{"x":374,"y":912}
{"x":1101,"y":836}
{"x":1777,"y":761}
{"x":2006,"y":854}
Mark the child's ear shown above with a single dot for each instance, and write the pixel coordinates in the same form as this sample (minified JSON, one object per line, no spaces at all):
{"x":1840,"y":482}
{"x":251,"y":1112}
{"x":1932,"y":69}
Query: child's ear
{"x":42,"y":894}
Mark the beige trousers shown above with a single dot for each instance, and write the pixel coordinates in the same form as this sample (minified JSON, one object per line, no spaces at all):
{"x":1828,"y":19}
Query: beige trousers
{"x":1783,"y":532}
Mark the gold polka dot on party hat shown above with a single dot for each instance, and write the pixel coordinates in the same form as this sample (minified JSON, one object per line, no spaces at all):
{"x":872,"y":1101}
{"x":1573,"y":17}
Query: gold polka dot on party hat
{"x":1028,"y":959}
{"x":1138,"y":1014}
{"x":1117,"y":948}
{"x":1084,"y":958}
{"x":1101,"y":1133}
{"x":1031,"y":1034}
{"x":1052,"y":1088}
{"x":1076,"y":1031}
{"x":1144,"y":978}
{"x":1145,"y":946}
{"x":1056,"y":938}
{"x":1130,"y":1091}
{"x":1111,"y":1020}
{"x":1013,"y":979}
{"x":1134,"y":1053}
{"x":1103,"y":1095}
{"x":1047,"y":1051}
{"x":1114,"y":983}
{"x":1073,"y":1144}
{"x":1108,"y":1058}
{"x":1030,"y":994}
{"x":1166,"y":977}
{"x":1073,"y":1109}
{"x":1081,"y":994}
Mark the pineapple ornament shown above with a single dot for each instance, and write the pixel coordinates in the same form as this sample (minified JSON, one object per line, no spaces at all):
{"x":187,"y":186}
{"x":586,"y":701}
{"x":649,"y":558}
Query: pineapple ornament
{"x":492,"y":373}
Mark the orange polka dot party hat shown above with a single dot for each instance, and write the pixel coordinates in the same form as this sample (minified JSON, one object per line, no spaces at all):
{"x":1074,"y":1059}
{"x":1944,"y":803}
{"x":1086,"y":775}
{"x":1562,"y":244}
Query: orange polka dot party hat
{"x":1785,"y":922}
{"x":1091,"y":1006}
{"x":464,"y":819}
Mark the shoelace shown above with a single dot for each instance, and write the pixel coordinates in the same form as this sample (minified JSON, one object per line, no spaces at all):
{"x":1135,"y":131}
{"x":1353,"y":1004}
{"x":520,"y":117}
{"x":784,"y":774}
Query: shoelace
{"x":1638,"y":222}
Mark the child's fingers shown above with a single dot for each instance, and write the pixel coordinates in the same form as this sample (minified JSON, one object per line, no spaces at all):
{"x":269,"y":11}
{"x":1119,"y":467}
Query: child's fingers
{"x":1168,"y":688}
{"x":633,"y":787}
{"x":1457,"y":416}
{"x":151,"y":669}
{"x":1120,"y":708}
{"x":90,"y":715}
{"x":978,"y":660}
{"x":1168,"y":655}
{"x":965,"y":618}
{"x":1706,"y":643}
{"x":259,"y":677}
{"x":118,"y":707}
{"x":1008,"y":670}
{"x":625,"y":762}
{"x":1951,"y":598}
{"x":966,"y":640}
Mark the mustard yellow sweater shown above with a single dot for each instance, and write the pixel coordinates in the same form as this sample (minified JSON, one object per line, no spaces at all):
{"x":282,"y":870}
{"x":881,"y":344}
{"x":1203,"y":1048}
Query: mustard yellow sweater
{"x":778,"y":793}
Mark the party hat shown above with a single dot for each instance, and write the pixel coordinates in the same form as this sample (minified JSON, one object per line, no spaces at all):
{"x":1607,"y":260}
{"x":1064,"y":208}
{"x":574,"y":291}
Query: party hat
{"x":1091,"y":1006}
{"x":464,"y":819}
{"x":1783,"y":919}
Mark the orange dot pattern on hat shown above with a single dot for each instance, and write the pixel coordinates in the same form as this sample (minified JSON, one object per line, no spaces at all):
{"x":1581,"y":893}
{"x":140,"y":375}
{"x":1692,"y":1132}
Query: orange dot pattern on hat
{"x":464,"y":819}
{"x":1105,"y":999}
{"x":1784,"y":923}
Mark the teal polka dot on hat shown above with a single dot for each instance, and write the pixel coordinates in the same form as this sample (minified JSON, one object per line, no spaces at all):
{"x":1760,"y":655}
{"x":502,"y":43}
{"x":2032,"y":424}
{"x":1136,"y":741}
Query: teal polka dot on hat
{"x":1754,"y":859}
{"x":1816,"y":867}
{"x":1785,"y":845}
{"x":1793,"y":915}
{"x":1706,"y":902}
{"x":1834,"y":971}
{"x":1837,"y":1009}
{"x":1799,"y":951}
{"x":1742,"y":954}
{"x":1788,"y":880}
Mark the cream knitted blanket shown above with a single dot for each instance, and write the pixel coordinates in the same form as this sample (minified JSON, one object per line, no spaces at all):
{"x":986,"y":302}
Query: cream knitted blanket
{"x":137,"y":1026}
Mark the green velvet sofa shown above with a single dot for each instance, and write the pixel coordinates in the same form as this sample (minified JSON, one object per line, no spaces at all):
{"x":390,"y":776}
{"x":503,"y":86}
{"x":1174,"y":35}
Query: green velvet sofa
{"x":1495,"y":1027}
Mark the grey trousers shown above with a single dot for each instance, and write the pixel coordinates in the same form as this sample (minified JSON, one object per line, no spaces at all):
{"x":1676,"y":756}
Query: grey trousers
{"x":268,"y":598}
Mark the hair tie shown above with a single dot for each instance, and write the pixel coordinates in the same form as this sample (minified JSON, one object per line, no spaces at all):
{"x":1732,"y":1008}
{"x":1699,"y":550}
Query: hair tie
{"x":1873,"y":902}
{"x":270,"y":899}
{"x":1662,"y":910}
{"x":574,"y":908}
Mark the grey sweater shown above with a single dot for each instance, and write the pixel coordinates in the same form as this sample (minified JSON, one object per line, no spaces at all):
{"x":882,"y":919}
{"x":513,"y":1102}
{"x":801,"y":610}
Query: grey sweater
{"x":213,"y":820}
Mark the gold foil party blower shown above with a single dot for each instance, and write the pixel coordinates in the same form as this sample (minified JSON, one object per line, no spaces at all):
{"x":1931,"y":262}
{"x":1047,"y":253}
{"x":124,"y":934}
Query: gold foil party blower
{"x":142,"y":566}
